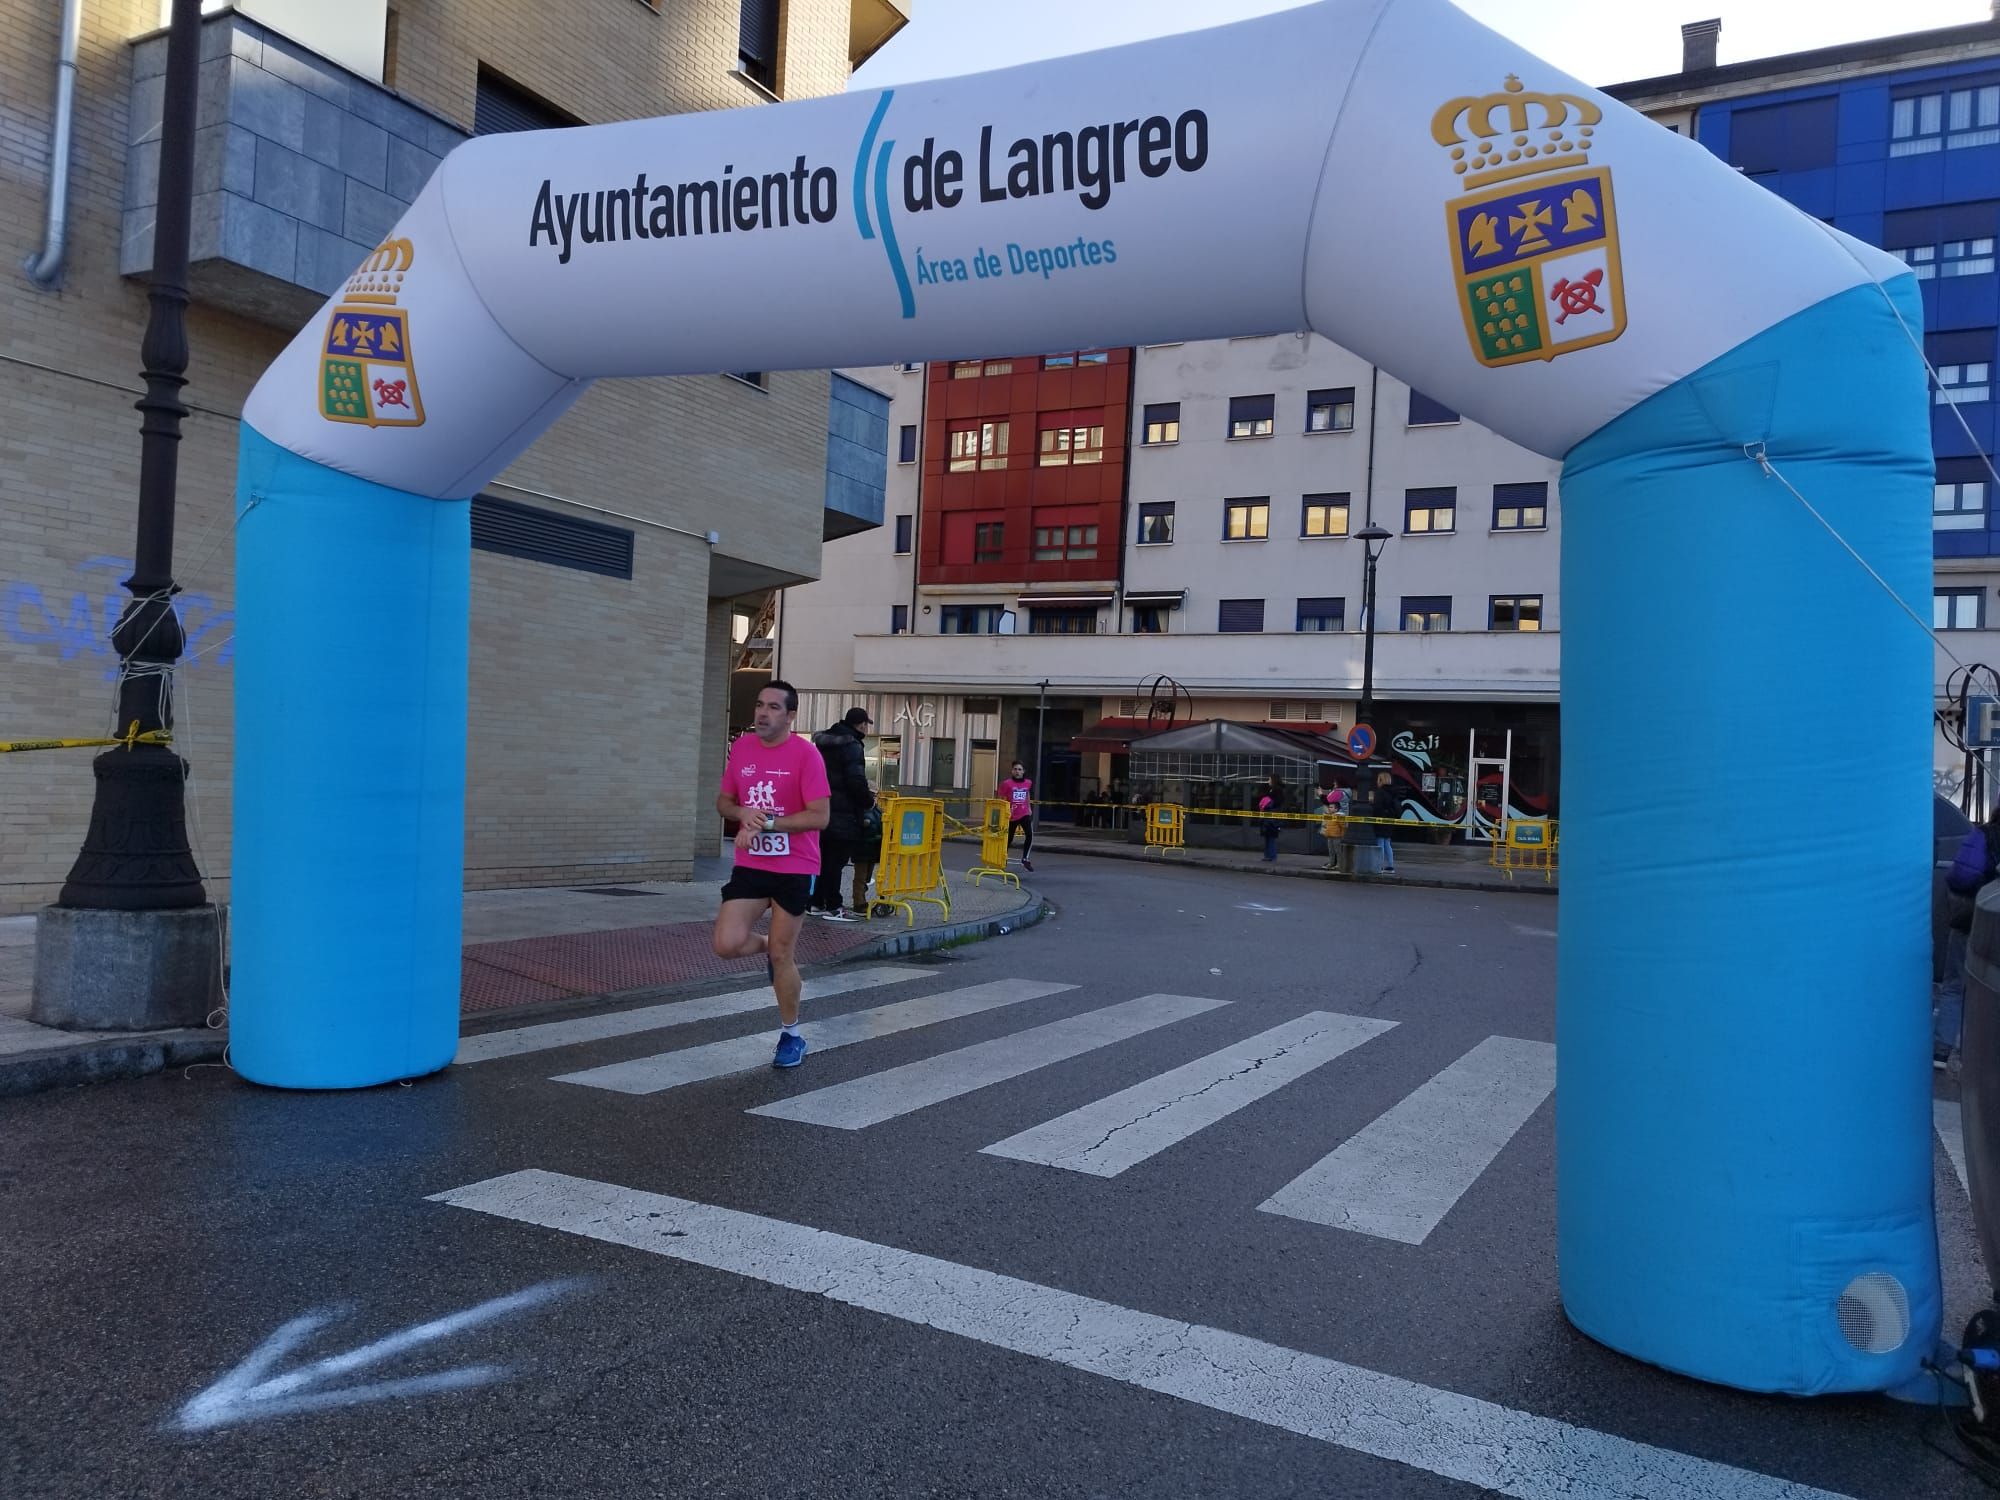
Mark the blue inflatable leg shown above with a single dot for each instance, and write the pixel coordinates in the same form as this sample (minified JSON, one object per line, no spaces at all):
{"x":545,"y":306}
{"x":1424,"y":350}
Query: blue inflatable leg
{"x":348,"y":870}
{"x":1743,"y":1104}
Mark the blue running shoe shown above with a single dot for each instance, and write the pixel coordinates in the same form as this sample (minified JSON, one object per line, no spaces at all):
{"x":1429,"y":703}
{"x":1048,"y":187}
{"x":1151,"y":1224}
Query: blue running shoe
{"x":791,"y":1050}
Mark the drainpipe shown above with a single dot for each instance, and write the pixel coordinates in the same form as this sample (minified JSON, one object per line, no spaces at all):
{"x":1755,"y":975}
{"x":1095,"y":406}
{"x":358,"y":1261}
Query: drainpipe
{"x":46,"y":267}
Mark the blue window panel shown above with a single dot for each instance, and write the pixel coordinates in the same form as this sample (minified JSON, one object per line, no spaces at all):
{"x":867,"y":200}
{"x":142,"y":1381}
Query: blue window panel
{"x":1864,"y":116}
{"x":1918,"y":181}
{"x":1962,"y":543}
{"x":1963,"y":302}
{"x":1796,"y":136}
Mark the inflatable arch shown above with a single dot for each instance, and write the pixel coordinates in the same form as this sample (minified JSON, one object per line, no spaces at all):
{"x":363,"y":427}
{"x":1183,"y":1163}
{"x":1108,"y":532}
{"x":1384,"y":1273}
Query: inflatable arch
{"x":1744,"y":1162}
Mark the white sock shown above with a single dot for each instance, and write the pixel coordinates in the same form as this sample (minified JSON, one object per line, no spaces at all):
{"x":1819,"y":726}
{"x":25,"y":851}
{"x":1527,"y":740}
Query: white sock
{"x":791,"y":1030}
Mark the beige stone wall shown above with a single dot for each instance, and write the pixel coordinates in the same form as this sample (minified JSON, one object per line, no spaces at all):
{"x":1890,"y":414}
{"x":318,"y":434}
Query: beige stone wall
{"x":596,"y":721}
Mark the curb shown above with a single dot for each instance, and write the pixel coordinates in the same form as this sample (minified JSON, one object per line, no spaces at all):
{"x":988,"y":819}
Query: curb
{"x":923,"y":939}
{"x":143,"y":1054}
{"x":108,"y":1061}
{"x":1333,"y":877}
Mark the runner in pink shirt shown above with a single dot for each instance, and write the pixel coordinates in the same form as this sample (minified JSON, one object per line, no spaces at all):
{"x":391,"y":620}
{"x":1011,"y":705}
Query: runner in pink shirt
{"x":774,"y":787}
{"x":1018,"y":792}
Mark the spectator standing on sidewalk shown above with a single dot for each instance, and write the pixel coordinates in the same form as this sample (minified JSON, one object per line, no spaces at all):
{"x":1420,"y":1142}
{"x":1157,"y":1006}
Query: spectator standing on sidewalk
{"x":846,"y":837}
{"x":1018,"y":792}
{"x":1272,"y":801}
{"x":1975,"y":864}
{"x":1387,"y":805}
{"x":866,"y":855}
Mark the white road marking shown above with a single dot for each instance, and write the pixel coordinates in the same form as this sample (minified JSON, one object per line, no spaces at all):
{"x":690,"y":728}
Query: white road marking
{"x":898,"y":1091}
{"x":1401,"y":1175}
{"x":246,"y":1395}
{"x":1124,"y":1129}
{"x":1435,"y":1431}
{"x":649,"y":1075}
{"x":1951,"y":1130}
{"x":1525,"y":931}
{"x":485,"y":1048}
{"x":1258,"y":906}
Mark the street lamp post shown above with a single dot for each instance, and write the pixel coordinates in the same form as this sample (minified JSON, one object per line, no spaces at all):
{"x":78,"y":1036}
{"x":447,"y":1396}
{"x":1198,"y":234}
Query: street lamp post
{"x":1373,"y":539}
{"x":131,"y":942}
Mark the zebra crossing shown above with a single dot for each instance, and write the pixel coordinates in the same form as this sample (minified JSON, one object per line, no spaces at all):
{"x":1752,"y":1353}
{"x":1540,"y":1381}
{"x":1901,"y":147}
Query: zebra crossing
{"x":1396,"y":1178}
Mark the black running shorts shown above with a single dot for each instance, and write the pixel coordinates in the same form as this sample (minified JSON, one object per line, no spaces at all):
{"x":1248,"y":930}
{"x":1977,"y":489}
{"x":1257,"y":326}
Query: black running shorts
{"x":792,"y":892}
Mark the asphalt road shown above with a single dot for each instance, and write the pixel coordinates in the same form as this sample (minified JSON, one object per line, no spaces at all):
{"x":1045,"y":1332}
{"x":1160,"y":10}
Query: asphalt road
{"x":525,"y":1278}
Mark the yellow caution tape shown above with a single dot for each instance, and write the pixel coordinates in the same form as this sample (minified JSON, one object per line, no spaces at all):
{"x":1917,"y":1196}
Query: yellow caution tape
{"x":131,"y":737}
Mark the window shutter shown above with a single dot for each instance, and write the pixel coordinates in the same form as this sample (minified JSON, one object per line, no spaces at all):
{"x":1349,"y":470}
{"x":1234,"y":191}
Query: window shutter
{"x":498,"y":107}
{"x":1246,"y":615}
{"x":545,"y":537}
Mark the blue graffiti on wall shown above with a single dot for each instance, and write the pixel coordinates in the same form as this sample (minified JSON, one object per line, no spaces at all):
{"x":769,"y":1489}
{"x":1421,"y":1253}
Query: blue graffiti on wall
{"x":83,"y":626}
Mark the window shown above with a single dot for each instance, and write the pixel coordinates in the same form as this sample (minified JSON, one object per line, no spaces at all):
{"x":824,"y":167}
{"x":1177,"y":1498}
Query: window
{"x":1148,"y":619}
{"x":1330,"y":411}
{"x":1239,"y":616}
{"x":987,"y":540}
{"x":750,"y":377}
{"x":1920,"y":123}
{"x":1251,"y":416}
{"x":1163,"y":422}
{"x":1426,"y":611}
{"x":1072,"y":438}
{"x":1284,"y":710}
{"x":1514,"y":612}
{"x":978,"y":445}
{"x":1065,"y":537}
{"x":969,"y":619}
{"x":1156,"y":523}
{"x":965,"y":369}
{"x":1792,"y":137}
{"x":1958,"y":609}
{"x":899,"y":619}
{"x":1520,"y":507}
{"x":906,"y":445}
{"x":1070,"y":360}
{"x":905,"y":525}
{"x":1080,"y":619}
{"x":757,"y":41}
{"x":970,"y":536}
{"x":1959,"y":507}
{"x":1952,"y":258}
{"x":1425,"y":412}
{"x":1323,"y":515}
{"x":944,"y":758}
{"x":1964,"y":383}
{"x":1322,"y":614}
{"x":977,"y":706}
{"x":499,"y":106}
{"x":1429,"y":511}
{"x":997,"y":367}
{"x":1246,"y":520}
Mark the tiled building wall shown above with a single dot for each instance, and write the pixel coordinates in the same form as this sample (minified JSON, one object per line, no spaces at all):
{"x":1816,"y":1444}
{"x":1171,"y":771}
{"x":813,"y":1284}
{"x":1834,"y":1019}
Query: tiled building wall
{"x":596,"y":703}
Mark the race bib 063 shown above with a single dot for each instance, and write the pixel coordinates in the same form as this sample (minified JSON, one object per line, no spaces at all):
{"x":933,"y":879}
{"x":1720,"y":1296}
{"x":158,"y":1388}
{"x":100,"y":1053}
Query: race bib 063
{"x":771,"y":845}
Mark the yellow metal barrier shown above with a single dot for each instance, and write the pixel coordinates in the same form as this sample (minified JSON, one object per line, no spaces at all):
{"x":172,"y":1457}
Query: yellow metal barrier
{"x":993,"y":845}
{"x":911,"y":868}
{"x":1526,"y":844}
{"x":1166,"y":826}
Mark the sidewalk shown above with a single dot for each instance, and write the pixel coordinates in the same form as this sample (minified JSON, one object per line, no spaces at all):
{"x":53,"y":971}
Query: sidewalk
{"x":523,"y":948}
{"x":1455,"y":867}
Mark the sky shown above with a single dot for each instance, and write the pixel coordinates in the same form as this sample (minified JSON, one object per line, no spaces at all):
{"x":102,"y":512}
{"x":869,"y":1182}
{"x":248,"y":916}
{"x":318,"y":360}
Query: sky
{"x":947,"y":37}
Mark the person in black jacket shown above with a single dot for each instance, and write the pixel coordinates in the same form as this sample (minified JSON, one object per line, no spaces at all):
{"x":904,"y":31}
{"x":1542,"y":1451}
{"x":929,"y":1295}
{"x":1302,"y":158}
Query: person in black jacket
{"x":846,"y":834}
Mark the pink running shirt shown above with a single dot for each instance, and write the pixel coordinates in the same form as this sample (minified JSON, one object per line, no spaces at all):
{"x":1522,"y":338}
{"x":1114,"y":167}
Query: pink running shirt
{"x":781,"y":780}
{"x":1017,"y":794}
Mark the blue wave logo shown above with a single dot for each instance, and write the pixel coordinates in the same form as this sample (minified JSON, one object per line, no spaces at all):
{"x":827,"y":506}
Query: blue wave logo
{"x":879,"y":179}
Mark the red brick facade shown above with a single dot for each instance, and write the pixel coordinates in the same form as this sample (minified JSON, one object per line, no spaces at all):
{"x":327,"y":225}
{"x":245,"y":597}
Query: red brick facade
{"x":987,"y":465}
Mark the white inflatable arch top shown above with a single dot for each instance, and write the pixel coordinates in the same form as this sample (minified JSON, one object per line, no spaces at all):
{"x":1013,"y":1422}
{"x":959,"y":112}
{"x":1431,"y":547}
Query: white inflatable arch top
{"x":1743,"y":1101}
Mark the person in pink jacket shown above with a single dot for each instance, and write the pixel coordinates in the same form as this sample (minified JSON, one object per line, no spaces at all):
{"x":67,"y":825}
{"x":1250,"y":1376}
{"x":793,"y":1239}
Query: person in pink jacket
{"x":1017,"y":791}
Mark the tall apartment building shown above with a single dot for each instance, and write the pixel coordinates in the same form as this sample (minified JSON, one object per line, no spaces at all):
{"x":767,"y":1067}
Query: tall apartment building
{"x":612,"y":561}
{"x":1225,"y":579}
{"x":1897,"y":142}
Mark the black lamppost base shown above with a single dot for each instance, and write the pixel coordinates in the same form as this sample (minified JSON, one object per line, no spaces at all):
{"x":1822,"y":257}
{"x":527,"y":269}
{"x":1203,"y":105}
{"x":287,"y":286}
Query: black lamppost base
{"x":135,"y":856}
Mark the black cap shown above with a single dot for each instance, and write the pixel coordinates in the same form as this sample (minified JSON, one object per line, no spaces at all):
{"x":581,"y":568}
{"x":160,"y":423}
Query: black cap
{"x":858,"y":716}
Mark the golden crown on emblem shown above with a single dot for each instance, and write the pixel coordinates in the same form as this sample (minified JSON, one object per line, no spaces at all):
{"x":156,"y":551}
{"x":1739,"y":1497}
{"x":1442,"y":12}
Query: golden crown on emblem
{"x":384,"y":268}
{"x":1520,"y":145}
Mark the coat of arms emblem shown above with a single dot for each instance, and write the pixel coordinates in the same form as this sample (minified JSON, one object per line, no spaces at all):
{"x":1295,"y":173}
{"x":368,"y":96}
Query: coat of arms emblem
{"x":365,"y":370}
{"x":1535,"y":244}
